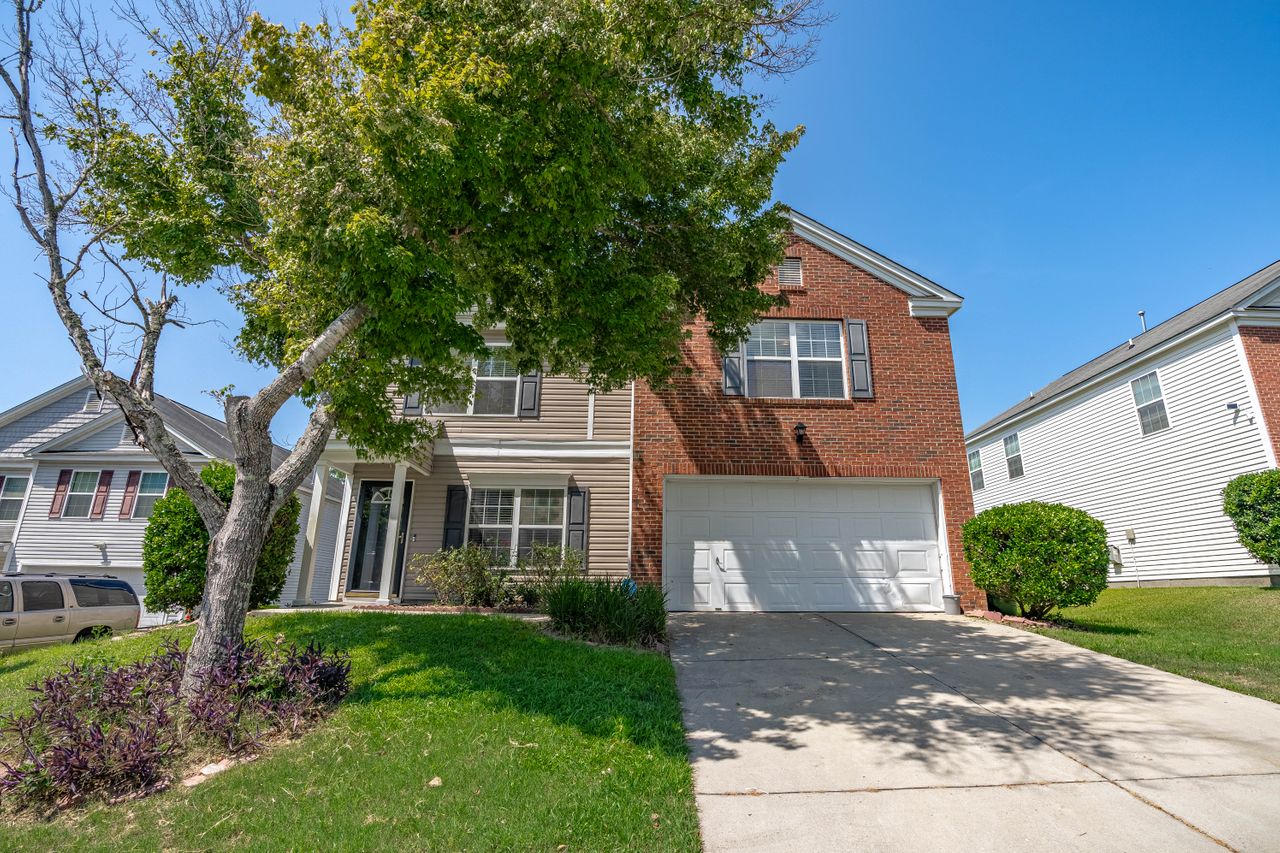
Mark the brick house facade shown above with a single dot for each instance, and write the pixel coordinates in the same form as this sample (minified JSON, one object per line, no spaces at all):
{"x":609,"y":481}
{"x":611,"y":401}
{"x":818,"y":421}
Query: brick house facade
{"x":1262,"y":352}
{"x":909,"y":429}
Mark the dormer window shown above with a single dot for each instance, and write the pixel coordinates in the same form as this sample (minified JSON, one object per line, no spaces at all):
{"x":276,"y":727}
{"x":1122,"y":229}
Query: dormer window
{"x":790,"y":274}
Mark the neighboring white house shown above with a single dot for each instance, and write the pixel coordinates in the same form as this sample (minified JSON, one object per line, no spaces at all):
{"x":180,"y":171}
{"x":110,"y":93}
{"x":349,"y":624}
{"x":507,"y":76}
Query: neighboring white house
{"x":1146,"y":436}
{"x":76,"y":490}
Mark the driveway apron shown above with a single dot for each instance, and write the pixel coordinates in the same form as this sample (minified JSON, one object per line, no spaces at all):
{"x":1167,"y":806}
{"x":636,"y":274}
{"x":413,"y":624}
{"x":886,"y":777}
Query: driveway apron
{"x":887,"y":732}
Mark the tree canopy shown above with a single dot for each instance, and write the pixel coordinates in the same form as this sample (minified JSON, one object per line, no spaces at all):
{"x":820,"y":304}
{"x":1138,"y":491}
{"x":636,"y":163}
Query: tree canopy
{"x":589,"y":176}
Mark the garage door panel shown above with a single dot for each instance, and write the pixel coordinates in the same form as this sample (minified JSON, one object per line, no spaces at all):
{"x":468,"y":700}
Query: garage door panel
{"x":832,"y":545}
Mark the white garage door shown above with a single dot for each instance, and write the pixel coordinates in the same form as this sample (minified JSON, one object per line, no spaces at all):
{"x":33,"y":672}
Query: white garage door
{"x":749,"y":543}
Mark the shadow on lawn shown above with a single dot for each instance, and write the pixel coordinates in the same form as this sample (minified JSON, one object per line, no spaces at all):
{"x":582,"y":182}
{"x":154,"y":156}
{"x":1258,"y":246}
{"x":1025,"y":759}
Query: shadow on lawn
{"x":603,"y":692}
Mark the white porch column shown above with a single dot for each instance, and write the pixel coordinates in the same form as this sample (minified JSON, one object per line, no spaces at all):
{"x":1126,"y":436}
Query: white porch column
{"x":393,"y":534}
{"x":315,"y":512}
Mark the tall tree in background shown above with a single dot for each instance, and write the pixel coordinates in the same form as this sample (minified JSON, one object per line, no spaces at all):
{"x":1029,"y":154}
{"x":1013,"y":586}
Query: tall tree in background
{"x":592,"y":175}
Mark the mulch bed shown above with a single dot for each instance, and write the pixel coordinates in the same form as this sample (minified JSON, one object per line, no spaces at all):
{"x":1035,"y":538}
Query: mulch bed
{"x":1018,"y":621}
{"x":444,"y":608}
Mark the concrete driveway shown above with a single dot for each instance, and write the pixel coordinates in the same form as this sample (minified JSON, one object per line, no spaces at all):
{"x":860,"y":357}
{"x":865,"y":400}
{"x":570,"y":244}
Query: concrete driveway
{"x":876,"y":732}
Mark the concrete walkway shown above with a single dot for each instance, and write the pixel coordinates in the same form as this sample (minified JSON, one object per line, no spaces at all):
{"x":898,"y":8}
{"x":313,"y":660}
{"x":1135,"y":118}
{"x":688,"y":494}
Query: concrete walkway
{"x":879,"y":732}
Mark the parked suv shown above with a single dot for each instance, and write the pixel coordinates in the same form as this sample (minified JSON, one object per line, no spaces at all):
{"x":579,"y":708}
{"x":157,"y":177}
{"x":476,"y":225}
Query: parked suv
{"x":41,"y":610}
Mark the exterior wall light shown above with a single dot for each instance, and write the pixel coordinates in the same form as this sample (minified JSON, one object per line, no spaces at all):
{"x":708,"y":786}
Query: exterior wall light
{"x":800,"y":430}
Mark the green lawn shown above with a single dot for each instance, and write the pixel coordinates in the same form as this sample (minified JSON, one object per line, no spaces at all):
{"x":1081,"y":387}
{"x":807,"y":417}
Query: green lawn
{"x":538,"y":742}
{"x":1228,"y":636}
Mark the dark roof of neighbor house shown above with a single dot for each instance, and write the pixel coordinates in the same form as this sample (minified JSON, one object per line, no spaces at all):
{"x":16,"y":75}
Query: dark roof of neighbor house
{"x":1179,"y":324}
{"x":208,"y":432}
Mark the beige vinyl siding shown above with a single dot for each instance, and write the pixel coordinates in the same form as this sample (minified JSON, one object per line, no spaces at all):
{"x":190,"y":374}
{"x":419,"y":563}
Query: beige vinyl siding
{"x":562,"y":415}
{"x":1089,"y":452}
{"x":607,"y":525}
{"x":613,"y":415}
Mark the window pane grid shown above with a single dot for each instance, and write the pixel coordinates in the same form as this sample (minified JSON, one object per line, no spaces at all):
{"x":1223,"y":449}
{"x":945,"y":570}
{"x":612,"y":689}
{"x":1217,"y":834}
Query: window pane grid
{"x":795,"y":359}
{"x":1148,"y":397}
{"x":80,"y":494}
{"x":502,"y":518}
{"x":492,"y":506}
{"x":495,"y":386}
{"x":15,"y":489}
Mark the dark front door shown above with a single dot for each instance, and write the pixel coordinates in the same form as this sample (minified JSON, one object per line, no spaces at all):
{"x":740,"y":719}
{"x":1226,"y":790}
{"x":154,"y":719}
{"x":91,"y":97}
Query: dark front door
{"x":373,"y":511}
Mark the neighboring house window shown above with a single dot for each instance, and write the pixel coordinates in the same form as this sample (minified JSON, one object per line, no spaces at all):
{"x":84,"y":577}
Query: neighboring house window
{"x":11,"y":495}
{"x":975,"y":469}
{"x":1149,"y":399}
{"x":1013,"y":456}
{"x":80,"y":494}
{"x":151,"y":488}
{"x":509,"y":522}
{"x":495,"y":387}
{"x":796,"y":359}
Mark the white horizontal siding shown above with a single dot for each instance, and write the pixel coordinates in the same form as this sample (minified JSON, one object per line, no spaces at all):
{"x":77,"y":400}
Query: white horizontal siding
{"x":1089,"y":452}
{"x":72,"y":541}
{"x":59,"y":416}
{"x":326,"y":542}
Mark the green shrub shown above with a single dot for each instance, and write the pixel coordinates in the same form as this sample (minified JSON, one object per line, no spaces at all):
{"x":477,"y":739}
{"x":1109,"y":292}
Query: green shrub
{"x":464,"y":576}
{"x":546,"y":567}
{"x":1038,"y":555}
{"x":176,"y":545}
{"x":1252,"y":501}
{"x":608,"y":611}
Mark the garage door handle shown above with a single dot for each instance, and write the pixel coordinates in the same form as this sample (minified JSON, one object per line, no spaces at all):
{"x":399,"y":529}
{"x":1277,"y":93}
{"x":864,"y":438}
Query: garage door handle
{"x":719,"y":565}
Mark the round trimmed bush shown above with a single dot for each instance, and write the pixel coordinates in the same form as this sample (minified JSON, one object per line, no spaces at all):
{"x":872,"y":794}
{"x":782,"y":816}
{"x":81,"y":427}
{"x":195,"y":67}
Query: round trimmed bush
{"x":176,"y":545}
{"x":1252,"y":501}
{"x":1038,"y":555}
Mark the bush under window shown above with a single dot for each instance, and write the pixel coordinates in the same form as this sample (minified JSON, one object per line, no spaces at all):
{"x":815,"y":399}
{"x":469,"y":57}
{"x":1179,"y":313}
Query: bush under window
{"x":1038,"y":555}
{"x":467,"y":575}
{"x":1252,"y":502}
{"x":620,"y":612}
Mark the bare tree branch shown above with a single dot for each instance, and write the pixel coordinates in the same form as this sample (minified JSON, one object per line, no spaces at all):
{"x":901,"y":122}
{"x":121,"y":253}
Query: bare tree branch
{"x":269,"y":400}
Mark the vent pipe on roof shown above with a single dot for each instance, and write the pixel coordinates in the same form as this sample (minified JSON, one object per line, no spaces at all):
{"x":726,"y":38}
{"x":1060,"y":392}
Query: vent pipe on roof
{"x":1142,"y":318}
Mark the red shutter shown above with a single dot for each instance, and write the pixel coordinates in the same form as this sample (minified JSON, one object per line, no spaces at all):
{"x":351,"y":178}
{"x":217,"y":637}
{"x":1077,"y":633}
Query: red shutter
{"x":100,"y":497}
{"x":130,"y":493}
{"x":60,"y":493}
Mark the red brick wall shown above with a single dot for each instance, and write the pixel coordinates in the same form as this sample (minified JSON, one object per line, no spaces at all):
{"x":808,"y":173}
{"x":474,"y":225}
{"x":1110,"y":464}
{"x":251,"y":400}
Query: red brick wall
{"x":911,"y":429}
{"x":1262,"y":350}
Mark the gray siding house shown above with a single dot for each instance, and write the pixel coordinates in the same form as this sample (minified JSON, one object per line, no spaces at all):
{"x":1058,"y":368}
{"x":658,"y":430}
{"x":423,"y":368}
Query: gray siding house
{"x":76,"y":491}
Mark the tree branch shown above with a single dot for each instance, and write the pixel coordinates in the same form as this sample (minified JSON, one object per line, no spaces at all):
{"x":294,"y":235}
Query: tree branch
{"x":306,"y":452}
{"x":269,"y":400}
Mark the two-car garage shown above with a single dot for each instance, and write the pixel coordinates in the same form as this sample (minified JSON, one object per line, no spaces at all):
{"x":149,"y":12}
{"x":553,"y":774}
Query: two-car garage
{"x":802,"y":543}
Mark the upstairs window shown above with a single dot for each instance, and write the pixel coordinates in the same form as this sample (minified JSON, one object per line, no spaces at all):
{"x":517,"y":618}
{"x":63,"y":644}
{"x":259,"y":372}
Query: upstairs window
{"x":80,"y":494}
{"x":11,"y":496}
{"x":796,"y":359}
{"x":151,"y":488}
{"x":495,"y":387}
{"x":1013,"y":456}
{"x":1149,"y":399}
{"x":975,"y":470}
{"x":791,"y":274}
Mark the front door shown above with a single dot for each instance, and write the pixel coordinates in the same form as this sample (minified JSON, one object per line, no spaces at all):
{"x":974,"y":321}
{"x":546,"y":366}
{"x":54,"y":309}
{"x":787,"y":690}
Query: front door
{"x":373,"y":511}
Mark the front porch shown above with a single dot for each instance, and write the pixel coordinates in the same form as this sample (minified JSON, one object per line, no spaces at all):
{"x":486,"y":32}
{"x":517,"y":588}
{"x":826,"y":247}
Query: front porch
{"x":505,"y":496}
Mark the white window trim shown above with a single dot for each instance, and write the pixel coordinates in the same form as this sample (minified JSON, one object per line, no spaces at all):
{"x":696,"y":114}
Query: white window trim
{"x":1008,"y":456}
{"x":1137,"y":414}
{"x":515,"y":514}
{"x":976,"y":453}
{"x":21,"y":499}
{"x":795,"y":361}
{"x":138,"y":493}
{"x":66,"y":499}
{"x":471,"y":402}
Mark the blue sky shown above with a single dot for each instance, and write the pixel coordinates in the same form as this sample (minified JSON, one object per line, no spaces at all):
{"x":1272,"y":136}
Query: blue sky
{"x":1059,"y":165}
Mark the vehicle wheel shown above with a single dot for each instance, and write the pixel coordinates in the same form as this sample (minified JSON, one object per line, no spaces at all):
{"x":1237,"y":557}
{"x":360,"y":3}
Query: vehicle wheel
{"x":95,"y":633}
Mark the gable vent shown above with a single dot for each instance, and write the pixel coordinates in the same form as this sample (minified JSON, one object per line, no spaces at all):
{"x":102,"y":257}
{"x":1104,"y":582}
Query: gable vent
{"x":790,"y":274}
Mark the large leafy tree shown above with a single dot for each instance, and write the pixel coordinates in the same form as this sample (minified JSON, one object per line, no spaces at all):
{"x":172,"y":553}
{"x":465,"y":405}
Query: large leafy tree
{"x":591,"y":175}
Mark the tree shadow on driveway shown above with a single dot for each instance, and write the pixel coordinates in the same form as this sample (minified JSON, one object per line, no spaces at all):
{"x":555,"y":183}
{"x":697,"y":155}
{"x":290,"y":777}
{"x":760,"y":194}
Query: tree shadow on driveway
{"x":807,"y":702}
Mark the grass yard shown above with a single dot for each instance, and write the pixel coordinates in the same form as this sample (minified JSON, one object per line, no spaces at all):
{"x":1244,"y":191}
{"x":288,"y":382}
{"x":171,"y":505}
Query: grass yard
{"x":1228,"y":636}
{"x":538,"y":742}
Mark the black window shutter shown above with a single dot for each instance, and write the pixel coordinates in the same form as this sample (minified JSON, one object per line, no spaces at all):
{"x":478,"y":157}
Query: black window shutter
{"x":530,"y":395}
{"x":734,"y":386}
{"x":859,"y":360}
{"x":413,"y":402}
{"x":579,"y":509}
{"x":455,"y":517}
